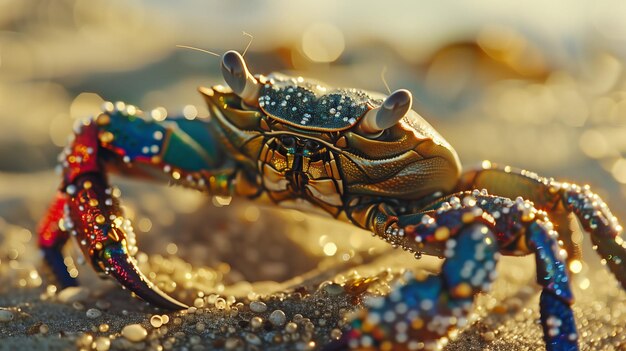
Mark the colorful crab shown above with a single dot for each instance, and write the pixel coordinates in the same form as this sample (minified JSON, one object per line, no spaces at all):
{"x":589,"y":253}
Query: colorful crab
{"x":356,"y":156}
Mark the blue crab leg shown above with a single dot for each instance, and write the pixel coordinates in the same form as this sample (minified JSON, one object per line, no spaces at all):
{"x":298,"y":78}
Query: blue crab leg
{"x":557,"y":318}
{"x":597,"y":219}
{"x":510,"y":227}
{"x":558,"y":199}
{"x":417,"y":314}
{"x":178,"y":150}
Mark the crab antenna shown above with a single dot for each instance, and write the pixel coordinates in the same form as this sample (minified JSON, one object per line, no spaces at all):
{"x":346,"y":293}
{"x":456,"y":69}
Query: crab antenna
{"x":249,"y":43}
{"x":198,"y":49}
{"x":389,"y":113}
{"x":382,"y":77}
{"x":238,"y":77}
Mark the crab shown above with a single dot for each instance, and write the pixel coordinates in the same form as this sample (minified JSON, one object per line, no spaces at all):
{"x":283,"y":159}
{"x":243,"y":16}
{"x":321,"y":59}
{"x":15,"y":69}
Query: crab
{"x":356,"y":156}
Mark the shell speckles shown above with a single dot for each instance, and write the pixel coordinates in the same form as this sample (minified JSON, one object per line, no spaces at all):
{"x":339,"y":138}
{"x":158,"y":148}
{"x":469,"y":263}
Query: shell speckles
{"x":311,"y":105}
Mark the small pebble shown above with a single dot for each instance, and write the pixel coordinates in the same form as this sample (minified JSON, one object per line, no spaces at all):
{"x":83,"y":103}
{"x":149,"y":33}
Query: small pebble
{"x":156,"y":321}
{"x":258,"y":306}
{"x":253,"y":339}
{"x":6,"y":316}
{"x":84,"y":340}
{"x":198,"y":303}
{"x":333,"y":289}
{"x":194,"y":340}
{"x":488,"y":336}
{"x":103,"y":343}
{"x":256,"y":322}
{"x":291,"y":327}
{"x":134,"y":332}
{"x":103,"y":304}
{"x":233,"y":343}
{"x":277,"y":318}
{"x":220,"y":303}
{"x":93,"y":313}
{"x":73,"y":294}
{"x":44,"y":329}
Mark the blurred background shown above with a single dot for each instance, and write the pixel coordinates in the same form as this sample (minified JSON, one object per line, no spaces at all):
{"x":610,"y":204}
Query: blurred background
{"x":531,"y":84}
{"x":535,"y":85}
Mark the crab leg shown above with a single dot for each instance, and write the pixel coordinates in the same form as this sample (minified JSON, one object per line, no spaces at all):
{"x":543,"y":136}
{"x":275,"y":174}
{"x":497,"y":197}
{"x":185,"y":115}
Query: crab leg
{"x":88,"y":208}
{"x":557,"y":317}
{"x":468,"y":229}
{"x":52,"y":238}
{"x":558,"y":199}
{"x":105,"y":236}
{"x":419,"y":313}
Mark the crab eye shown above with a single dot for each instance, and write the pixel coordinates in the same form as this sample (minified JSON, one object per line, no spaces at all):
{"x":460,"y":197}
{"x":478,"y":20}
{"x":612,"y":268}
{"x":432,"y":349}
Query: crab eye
{"x":288,"y":141}
{"x":312,"y":145}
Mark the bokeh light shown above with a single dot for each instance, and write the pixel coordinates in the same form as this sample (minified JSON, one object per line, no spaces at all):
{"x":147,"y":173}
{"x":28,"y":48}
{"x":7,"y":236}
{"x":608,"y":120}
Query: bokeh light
{"x":322,"y":42}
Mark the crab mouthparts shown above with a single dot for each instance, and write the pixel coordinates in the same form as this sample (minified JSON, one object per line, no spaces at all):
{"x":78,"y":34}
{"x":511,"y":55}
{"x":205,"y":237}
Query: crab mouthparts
{"x":297,"y":178}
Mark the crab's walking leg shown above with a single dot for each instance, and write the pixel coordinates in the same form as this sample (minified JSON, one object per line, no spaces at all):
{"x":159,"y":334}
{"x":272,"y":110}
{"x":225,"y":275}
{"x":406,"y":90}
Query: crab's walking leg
{"x":559,"y":198}
{"x":419,"y":313}
{"x":469,"y":233}
{"x":52,"y":238}
{"x":121,"y":141}
{"x":557,"y":317}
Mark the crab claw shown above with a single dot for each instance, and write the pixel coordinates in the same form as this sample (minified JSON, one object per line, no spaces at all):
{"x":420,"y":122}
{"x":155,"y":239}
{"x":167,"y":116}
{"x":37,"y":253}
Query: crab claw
{"x":239,"y":78}
{"x":96,"y":218}
{"x":117,"y":262}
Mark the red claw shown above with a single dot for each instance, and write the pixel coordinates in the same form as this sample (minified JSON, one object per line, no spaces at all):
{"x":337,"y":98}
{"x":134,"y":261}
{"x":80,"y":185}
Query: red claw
{"x":118,"y":263}
{"x":102,"y":234}
{"x":96,"y":219}
{"x":50,"y":235}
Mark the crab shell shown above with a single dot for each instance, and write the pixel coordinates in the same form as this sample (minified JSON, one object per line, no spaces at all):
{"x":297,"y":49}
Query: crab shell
{"x":408,"y":160}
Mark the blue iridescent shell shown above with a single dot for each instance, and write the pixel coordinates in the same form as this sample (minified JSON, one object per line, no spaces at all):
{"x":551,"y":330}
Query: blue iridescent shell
{"x":310,"y":105}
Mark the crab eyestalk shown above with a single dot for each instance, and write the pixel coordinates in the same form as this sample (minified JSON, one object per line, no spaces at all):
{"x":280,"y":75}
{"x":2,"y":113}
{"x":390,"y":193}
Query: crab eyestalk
{"x":389,"y":113}
{"x":239,"y":78}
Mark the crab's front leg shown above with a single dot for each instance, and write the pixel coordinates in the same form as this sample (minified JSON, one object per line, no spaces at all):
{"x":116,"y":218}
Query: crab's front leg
{"x":559,"y":199}
{"x":470,"y":230}
{"x":88,"y":208}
